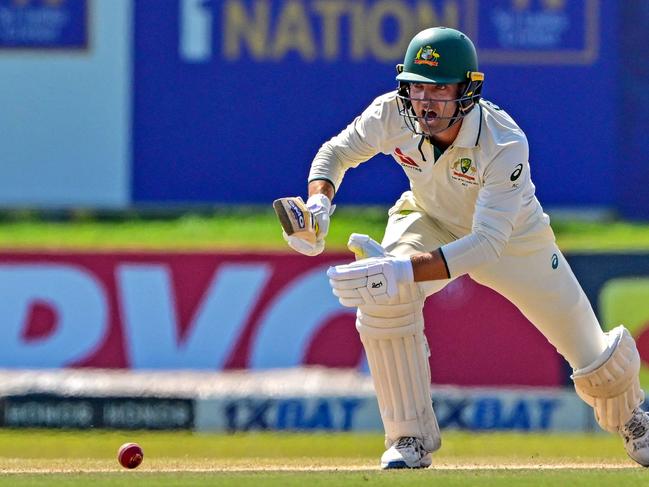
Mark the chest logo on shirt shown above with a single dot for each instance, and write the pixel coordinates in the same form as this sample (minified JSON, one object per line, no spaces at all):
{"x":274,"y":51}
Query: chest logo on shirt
{"x":406,"y":161}
{"x":464,"y":171}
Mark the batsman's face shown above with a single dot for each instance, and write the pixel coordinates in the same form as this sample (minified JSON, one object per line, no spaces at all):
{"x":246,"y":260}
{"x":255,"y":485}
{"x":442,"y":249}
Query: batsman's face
{"x":433,"y":104}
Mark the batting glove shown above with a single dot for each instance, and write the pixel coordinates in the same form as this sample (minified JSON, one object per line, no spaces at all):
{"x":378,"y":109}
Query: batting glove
{"x":321,"y":209}
{"x":370,"y":281}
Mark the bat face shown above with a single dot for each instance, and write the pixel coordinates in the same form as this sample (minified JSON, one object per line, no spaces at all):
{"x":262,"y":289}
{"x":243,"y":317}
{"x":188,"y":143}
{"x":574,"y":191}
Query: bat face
{"x":298,"y":214}
{"x":295,"y":218}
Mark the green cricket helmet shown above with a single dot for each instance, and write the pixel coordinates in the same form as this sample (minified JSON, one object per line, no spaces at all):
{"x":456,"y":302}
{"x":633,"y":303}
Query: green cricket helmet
{"x":440,"y":55}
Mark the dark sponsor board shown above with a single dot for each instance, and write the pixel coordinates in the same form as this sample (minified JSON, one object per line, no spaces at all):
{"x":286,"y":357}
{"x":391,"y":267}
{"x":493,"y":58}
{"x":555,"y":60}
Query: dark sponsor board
{"x":55,"y":411}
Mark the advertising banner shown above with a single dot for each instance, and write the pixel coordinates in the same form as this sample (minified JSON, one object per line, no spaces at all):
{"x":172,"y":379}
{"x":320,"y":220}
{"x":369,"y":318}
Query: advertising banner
{"x":82,"y":412}
{"x":233,"y":98}
{"x":526,"y":32}
{"x":296,"y":399}
{"x":44,"y":24}
{"x":533,"y":410}
{"x":194,"y":102}
{"x":219,"y":311}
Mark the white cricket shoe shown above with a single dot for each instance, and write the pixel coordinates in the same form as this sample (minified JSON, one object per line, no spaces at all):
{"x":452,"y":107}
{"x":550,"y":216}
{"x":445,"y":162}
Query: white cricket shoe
{"x":407,"y":452}
{"x":636,"y":437}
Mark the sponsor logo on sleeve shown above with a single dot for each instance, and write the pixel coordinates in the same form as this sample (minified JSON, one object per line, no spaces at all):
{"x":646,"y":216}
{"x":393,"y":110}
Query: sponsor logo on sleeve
{"x":517,"y":172}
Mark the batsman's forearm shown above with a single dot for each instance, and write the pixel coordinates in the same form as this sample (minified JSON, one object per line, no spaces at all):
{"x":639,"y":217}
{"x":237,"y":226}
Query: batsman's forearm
{"x":429,"y":266}
{"x":321,"y":186}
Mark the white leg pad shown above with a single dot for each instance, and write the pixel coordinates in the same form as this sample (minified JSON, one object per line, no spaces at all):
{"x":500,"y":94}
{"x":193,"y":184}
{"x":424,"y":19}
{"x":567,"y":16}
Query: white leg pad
{"x":611,"y":384}
{"x":397,"y":354}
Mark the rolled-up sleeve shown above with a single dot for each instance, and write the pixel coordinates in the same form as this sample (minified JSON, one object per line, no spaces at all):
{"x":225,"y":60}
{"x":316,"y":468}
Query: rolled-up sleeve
{"x":498,"y":204}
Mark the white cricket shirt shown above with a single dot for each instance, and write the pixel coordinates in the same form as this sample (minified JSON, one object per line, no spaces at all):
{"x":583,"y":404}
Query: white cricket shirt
{"x":479,"y":189}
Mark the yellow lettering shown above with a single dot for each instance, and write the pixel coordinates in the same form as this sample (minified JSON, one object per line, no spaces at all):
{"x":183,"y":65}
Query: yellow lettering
{"x":294,"y":32}
{"x":547,"y":4}
{"x":554,"y":4}
{"x":47,"y":3}
{"x":428,"y":17}
{"x":247,"y":27}
{"x":358,"y":31}
{"x":382,"y":50}
{"x":330,"y":11}
{"x":240,"y":28}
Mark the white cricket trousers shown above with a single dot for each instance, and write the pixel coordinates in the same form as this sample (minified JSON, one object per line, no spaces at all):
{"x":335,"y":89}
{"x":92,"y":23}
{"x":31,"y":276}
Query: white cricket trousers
{"x":533,"y":275}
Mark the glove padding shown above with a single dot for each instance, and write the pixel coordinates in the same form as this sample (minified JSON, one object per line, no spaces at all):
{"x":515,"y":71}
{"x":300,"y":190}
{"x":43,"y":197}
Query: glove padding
{"x":370,"y":281}
{"x":320,"y":208}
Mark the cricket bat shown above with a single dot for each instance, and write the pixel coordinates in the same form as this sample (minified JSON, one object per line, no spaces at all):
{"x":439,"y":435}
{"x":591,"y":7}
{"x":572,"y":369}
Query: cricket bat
{"x":295,"y":218}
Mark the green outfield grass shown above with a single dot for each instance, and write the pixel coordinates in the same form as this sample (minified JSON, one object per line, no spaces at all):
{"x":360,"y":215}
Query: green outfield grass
{"x":88,"y":458}
{"x":257,"y":229}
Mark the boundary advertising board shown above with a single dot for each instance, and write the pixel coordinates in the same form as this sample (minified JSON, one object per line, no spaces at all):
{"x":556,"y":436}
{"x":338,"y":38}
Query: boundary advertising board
{"x":220,"y":311}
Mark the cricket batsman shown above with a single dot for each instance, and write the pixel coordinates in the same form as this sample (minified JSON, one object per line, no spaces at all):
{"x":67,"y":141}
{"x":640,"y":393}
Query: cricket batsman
{"x":471,"y":209}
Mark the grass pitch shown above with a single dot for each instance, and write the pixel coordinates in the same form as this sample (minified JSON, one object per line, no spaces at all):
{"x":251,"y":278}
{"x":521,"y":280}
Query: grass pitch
{"x":263,"y":459}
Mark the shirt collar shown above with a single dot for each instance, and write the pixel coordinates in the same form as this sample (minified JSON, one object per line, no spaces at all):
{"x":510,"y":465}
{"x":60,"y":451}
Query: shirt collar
{"x":469,"y":133}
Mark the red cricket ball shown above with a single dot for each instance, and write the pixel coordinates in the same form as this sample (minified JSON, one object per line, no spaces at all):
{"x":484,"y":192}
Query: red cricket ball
{"x":130,"y":455}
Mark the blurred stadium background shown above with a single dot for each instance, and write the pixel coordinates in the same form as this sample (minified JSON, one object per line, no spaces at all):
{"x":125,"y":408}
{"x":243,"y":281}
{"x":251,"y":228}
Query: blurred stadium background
{"x":144,"y":284}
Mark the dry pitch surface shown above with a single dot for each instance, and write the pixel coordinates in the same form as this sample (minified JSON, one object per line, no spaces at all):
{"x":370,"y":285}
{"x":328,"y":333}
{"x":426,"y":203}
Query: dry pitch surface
{"x":88,"y":458}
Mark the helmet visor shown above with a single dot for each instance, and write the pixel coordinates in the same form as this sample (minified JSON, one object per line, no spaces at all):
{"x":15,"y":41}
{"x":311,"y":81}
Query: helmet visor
{"x":406,"y":77}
